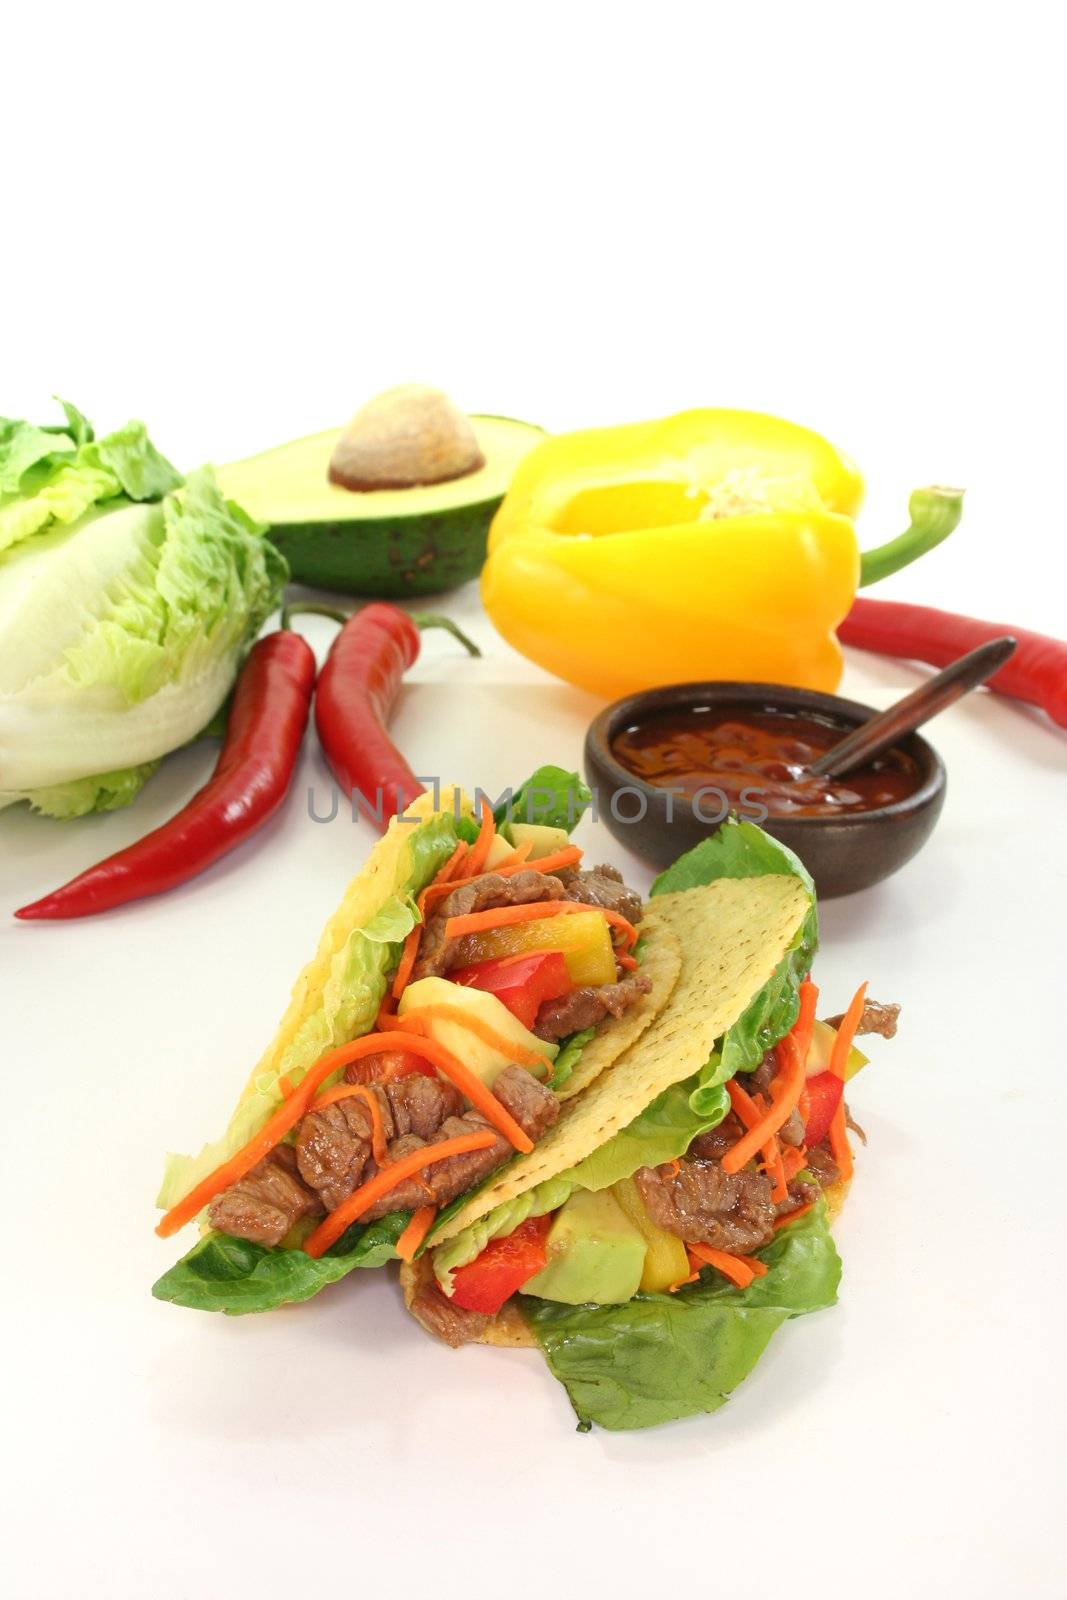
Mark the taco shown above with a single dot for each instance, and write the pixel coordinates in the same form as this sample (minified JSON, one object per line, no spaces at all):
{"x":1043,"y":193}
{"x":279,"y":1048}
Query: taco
{"x":503,"y":1069}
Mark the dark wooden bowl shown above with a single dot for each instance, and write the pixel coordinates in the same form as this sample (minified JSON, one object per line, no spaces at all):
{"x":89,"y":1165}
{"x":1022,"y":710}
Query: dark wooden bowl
{"x":842,"y":854}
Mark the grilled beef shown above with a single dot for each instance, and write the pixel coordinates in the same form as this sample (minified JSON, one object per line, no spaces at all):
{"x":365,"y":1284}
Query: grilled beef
{"x":602,"y":886}
{"x":439,"y":1315}
{"x":585,"y":1007}
{"x":438,"y":954}
{"x":702,"y":1204}
{"x":264,"y":1205}
{"x":877,"y":1017}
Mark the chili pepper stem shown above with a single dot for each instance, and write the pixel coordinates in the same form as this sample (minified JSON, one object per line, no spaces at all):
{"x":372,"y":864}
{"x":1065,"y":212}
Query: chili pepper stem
{"x":420,"y":619}
{"x":428,"y":620}
{"x":935,"y":513}
{"x":314,"y":606}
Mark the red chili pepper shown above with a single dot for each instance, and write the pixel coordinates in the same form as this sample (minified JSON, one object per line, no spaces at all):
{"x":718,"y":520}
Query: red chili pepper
{"x":1036,"y":673}
{"x":355,"y":696}
{"x":263,"y":735}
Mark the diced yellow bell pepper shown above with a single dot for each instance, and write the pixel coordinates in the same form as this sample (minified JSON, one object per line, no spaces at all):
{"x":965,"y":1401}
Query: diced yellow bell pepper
{"x":665,"y":1259}
{"x":583,"y":939}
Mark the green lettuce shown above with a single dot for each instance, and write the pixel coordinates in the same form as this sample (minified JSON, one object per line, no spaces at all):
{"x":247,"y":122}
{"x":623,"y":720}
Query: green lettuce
{"x":569,"y":1056}
{"x":660,"y":1357}
{"x":125,"y":610}
{"x":550,"y":797}
{"x":235,"y":1276}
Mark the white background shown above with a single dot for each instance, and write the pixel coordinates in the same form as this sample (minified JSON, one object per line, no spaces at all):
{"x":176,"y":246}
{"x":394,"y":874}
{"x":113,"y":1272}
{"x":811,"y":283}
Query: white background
{"x":237,"y":222}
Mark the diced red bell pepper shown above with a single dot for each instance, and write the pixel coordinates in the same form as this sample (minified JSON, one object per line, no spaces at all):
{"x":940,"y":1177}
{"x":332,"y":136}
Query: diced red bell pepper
{"x":522,"y":983}
{"x":502,"y":1268}
{"x":824,"y":1091}
{"x":402,"y":1064}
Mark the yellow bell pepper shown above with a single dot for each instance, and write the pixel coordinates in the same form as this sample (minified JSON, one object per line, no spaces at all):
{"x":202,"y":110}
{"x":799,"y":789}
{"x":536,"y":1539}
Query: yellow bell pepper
{"x":713,"y":544}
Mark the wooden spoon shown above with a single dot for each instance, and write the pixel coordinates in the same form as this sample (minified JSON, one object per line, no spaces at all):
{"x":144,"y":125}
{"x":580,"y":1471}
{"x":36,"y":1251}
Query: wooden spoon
{"x":889,"y":727}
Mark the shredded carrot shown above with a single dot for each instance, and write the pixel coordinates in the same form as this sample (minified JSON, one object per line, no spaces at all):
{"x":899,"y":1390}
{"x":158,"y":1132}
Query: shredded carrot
{"x":348,"y":1091}
{"x":672,"y":1288}
{"x":739,"y":1269}
{"x":569,"y":856}
{"x":277,"y":1126}
{"x":415,"y":1232}
{"x":793,"y":1161}
{"x":481,"y":1030}
{"x":791,"y":1216}
{"x":285,"y":1085}
{"x":480,"y":847}
{"x":780,"y":1190}
{"x":627,"y":963}
{"x":787,"y":1087}
{"x":840,"y":1148}
{"x":750,"y":1110}
{"x":361,"y":1199}
{"x":505,"y":916}
{"x":847,"y":1032}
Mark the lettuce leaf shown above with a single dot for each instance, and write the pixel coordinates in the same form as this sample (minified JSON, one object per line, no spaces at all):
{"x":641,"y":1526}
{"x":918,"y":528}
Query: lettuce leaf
{"x":569,"y":1056}
{"x":660,"y":1357}
{"x":124,"y":610}
{"x":551,"y":797}
{"x":235,"y":1276}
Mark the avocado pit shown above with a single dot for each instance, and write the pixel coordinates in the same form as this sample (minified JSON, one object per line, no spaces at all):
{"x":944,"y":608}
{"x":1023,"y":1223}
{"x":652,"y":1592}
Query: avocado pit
{"x":405,"y":437}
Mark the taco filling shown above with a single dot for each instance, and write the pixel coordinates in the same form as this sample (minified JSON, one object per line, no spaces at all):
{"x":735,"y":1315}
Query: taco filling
{"x":394,"y":1102}
{"x":609,"y":1128}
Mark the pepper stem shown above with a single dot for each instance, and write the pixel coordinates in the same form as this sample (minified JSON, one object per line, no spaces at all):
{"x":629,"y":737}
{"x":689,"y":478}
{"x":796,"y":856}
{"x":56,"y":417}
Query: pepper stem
{"x":935,"y":513}
{"x":427,"y":620}
{"x":289,"y":612}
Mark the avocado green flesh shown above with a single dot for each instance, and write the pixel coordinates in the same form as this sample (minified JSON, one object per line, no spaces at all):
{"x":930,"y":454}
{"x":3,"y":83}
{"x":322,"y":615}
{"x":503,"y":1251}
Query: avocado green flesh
{"x":387,"y":542}
{"x":595,"y":1254}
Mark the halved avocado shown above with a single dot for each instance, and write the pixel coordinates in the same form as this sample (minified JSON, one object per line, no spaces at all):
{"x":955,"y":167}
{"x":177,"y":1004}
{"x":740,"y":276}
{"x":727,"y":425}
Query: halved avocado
{"x":386,"y":542}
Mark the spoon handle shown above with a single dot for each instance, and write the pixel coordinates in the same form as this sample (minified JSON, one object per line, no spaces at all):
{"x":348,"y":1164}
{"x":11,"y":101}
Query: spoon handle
{"x":872,"y":737}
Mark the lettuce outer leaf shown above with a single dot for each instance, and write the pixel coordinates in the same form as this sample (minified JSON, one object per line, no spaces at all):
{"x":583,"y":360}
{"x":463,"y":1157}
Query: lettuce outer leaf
{"x":661,"y":1357}
{"x":122,"y":633}
{"x":235,"y":1276}
{"x":569,"y":1057}
{"x":551,"y":797}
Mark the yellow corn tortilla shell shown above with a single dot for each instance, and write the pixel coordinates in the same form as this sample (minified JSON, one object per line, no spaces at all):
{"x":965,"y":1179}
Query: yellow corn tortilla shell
{"x":661,"y":963}
{"x":509,"y":1328}
{"x":732,"y":935}
{"x":364,"y":897}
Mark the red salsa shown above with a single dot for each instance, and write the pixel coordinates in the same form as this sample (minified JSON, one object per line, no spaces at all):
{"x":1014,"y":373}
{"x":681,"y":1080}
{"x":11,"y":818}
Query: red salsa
{"x":759,"y":758}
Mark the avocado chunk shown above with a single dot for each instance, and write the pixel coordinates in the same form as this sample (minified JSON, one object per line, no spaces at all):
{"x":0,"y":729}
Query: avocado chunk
{"x":821,"y":1047}
{"x":595,"y":1255}
{"x":486,"y":1060}
{"x":543,"y":841}
{"x":391,"y":542}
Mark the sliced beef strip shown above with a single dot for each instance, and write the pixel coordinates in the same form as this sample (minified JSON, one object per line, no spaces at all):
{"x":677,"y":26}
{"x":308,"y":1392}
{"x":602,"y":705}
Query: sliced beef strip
{"x":264,"y":1205}
{"x":439,"y":1315}
{"x":713,"y":1145}
{"x":822,"y":1164}
{"x":602,"y":886}
{"x":534,"y":1107}
{"x":585,"y":1007}
{"x":333,"y":1145}
{"x":801,"y":1191}
{"x":878,"y":1017}
{"x":702,"y":1204}
{"x":438,"y":954}
{"x":442,"y":1181}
